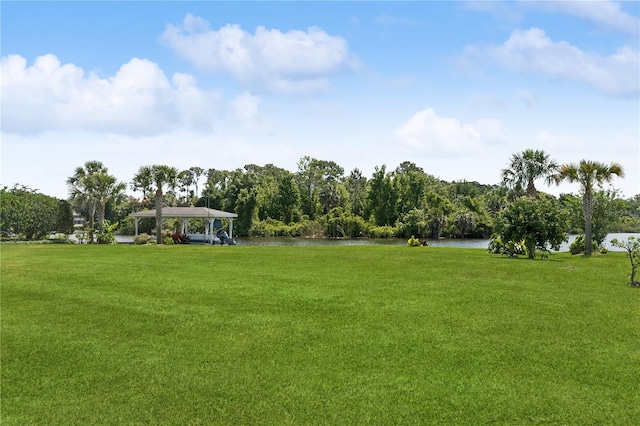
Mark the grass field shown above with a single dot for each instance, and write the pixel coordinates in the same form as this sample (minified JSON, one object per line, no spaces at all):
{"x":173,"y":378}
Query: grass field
{"x":315,"y":335}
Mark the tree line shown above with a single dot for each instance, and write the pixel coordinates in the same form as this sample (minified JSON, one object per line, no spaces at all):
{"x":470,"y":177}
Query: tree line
{"x":320,"y":200}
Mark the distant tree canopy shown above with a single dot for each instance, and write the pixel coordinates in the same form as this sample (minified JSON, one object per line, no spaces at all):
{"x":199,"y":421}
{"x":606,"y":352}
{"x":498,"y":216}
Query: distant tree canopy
{"x":320,"y":199}
{"x":27,"y":214}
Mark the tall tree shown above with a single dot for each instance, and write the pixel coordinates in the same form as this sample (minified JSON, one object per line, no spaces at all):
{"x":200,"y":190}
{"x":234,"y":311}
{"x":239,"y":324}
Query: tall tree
{"x":155,"y":178}
{"x":90,"y":188}
{"x":319,"y":183}
{"x":382,"y":198}
{"x":525,"y":168}
{"x":80,"y":191}
{"x":438,"y":209}
{"x":308,"y":180}
{"x":588,"y":174}
{"x":185,"y":180}
{"x":196,"y":172}
{"x":105,"y":189}
{"x":216,"y":187}
{"x":356,"y":186}
{"x":287,"y":198}
{"x":411,"y":182}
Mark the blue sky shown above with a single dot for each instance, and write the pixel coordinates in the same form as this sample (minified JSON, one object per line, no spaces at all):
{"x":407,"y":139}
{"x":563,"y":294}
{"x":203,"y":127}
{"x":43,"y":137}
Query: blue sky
{"x":455,"y":87}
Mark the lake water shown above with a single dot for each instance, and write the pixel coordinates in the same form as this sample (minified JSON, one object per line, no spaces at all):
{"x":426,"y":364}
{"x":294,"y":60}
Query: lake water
{"x":461,"y":243}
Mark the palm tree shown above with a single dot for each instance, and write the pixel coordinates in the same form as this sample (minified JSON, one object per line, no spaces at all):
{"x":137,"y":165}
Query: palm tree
{"x":90,"y":188}
{"x":80,"y":189}
{"x":587,"y":174}
{"x":525,"y":168}
{"x":156,"y":177}
{"x":142,"y":181}
{"x":106,"y":188}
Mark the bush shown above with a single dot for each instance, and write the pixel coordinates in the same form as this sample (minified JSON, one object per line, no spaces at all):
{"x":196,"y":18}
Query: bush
{"x":106,"y":238}
{"x":143,"y":238}
{"x":510,"y":248}
{"x":168,"y":241}
{"x":382,"y":232}
{"x":578,"y":245}
{"x":414,"y":223}
{"x":341,"y":223}
{"x":308,"y":228}
{"x":537,"y":222}
{"x":270,"y":228}
{"x":414,"y":242}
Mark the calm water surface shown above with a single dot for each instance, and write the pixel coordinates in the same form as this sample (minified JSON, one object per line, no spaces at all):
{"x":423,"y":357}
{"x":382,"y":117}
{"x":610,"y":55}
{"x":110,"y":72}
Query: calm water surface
{"x":461,"y":243}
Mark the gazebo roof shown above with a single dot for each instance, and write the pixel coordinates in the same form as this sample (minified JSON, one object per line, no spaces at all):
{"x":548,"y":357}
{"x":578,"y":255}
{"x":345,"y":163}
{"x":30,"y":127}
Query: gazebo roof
{"x":186,"y":212}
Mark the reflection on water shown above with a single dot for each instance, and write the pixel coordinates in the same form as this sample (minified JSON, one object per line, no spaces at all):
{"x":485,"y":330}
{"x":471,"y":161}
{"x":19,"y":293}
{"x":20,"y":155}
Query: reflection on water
{"x":460,"y":243}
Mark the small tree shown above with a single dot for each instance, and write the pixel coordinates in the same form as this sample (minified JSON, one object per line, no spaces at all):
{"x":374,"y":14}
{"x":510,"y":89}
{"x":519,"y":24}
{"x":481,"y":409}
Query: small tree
{"x":536,"y":221}
{"x":632,"y":246}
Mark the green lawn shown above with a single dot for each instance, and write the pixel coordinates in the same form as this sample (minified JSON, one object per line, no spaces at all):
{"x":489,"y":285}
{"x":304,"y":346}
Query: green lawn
{"x":315,"y":335}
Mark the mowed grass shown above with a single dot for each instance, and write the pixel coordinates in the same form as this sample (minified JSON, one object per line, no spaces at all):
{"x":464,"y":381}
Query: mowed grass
{"x":315,"y":335}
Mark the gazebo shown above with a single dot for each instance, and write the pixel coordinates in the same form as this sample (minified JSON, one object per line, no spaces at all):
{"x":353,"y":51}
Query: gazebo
{"x":186,"y":213}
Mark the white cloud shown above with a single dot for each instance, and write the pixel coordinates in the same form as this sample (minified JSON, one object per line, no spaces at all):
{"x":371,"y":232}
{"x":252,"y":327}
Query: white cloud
{"x":137,"y":100}
{"x":428,"y":132}
{"x":246,"y":111}
{"x":605,"y":13}
{"x":533,"y":51}
{"x":292,"y":62}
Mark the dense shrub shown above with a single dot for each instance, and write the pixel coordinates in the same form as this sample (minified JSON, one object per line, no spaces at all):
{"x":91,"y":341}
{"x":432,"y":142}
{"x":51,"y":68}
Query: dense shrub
{"x":413,"y":242}
{"x":342,"y":223}
{"x":509,"y":248}
{"x":27,"y":214}
{"x":309,"y":228}
{"x":537,"y":222}
{"x":106,"y":238}
{"x":415,"y":223}
{"x":626,"y":224}
{"x":271,"y":228}
{"x":383,"y":232}
{"x":143,"y":238}
{"x":578,"y":245}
